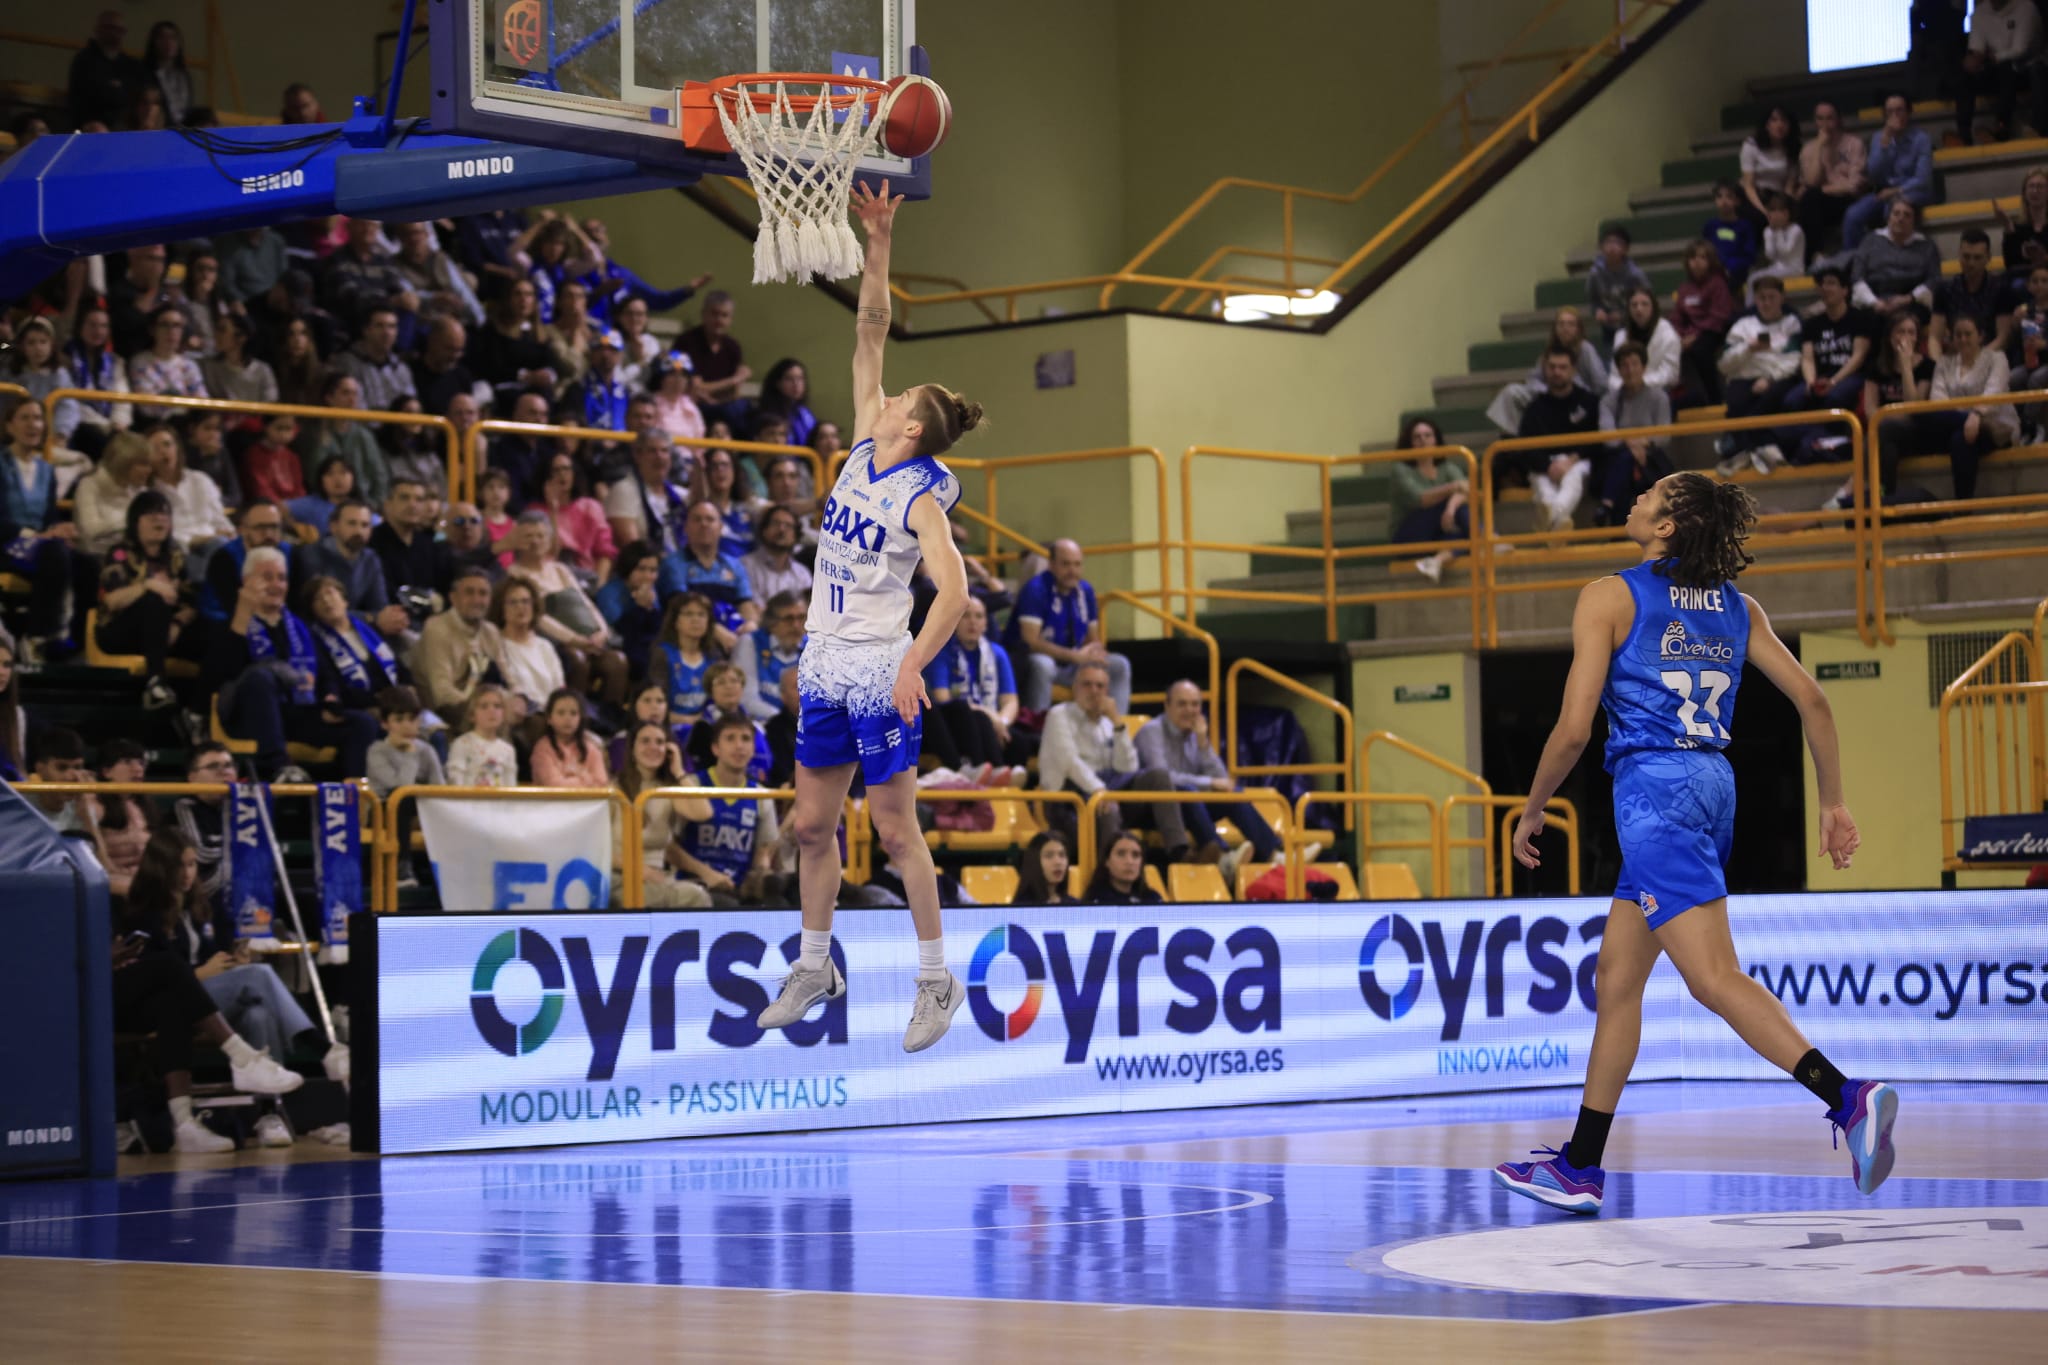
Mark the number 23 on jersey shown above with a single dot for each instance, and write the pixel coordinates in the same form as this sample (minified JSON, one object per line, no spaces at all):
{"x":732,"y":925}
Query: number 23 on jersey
{"x":1712,"y":684}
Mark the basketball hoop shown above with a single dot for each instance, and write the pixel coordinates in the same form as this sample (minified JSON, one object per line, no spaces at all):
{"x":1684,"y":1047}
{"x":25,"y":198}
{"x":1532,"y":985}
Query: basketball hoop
{"x":800,"y":147}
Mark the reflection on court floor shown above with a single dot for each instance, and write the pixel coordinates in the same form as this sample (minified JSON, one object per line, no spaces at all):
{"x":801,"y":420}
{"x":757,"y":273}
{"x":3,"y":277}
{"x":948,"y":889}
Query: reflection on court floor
{"x":1007,"y":1212}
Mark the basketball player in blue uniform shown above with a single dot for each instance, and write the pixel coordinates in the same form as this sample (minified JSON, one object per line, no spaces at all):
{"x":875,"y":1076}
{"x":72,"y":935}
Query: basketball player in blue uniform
{"x":1660,"y":647}
{"x":861,"y":679}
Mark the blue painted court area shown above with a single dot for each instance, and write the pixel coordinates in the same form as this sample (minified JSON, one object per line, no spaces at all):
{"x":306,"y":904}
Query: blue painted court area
{"x":997,"y":1211}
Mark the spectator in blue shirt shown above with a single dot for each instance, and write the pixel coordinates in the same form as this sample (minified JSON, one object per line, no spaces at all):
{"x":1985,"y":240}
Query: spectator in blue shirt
{"x":1900,"y":166}
{"x":1055,"y":627}
{"x":1733,"y":236}
{"x":701,"y":567}
{"x":974,"y":704}
{"x":611,"y":284}
{"x":766,"y":654}
{"x":1178,"y":741}
{"x":631,"y":603}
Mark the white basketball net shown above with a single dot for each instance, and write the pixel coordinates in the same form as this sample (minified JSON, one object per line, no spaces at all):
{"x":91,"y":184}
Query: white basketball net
{"x":804,"y":231}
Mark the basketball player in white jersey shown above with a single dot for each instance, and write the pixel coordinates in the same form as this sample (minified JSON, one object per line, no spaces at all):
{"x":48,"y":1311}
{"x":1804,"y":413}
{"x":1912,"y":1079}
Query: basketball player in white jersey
{"x":861,"y":676}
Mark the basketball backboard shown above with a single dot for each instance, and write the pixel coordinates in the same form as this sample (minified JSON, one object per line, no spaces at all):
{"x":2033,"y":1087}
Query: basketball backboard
{"x":601,"y":76}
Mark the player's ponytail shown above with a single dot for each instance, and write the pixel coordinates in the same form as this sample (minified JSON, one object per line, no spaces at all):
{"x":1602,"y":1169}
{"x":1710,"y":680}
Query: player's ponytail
{"x":1710,"y":521}
{"x":945,"y":417}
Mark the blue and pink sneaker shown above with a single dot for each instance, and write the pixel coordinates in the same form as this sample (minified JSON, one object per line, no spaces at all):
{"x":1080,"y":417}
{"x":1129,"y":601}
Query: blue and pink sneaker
{"x":1554,"y":1181}
{"x":1869,"y":1108}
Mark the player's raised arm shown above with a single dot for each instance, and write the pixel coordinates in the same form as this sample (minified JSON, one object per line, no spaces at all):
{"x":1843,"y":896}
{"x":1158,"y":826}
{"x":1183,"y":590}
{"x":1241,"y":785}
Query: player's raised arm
{"x":1602,"y":616}
{"x":1838,"y":837}
{"x":877,"y":214}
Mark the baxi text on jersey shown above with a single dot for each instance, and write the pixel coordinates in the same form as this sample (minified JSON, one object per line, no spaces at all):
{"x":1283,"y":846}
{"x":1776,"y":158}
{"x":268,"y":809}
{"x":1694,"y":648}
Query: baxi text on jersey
{"x":843,"y":523}
{"x":1677,"y":645}
{"x":263,"y":184}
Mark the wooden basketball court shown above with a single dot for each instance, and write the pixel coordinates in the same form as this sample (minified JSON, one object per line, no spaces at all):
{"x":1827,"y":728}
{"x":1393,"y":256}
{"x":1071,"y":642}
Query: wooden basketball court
{"x":1318,"y":1232}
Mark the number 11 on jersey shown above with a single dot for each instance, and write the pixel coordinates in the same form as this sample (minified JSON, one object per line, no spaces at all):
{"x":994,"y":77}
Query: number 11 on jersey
{"x":837,"y":597}
{"x":1716,"y":684}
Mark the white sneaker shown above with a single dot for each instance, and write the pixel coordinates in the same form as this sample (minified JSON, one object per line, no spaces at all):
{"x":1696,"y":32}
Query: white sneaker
{"x":1431,"y":568}
{"x":1765,"y":458}
{"x":1838,"y":503}
{"x":932,"y":1015}
{"x":158,"y":696}
{"x":128,"y":1138}
{"x":334,"y":1135}
{"x":937,"y":775}
{"x":1732,"y":465}
{"x":1230,"y":862}
{"x":292,"y":774}
{"x":272,"y":1132}
{"x":335,"y":1063}
{"x":801,"y":989}
{"x":197,"y":1137}
{"x":264,"y":1076}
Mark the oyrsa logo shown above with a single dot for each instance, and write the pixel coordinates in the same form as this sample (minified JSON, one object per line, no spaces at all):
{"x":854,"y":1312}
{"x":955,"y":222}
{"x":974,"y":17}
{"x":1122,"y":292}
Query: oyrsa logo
{"x":606,"y":1010}
{"x":501,"y":1033}
{"x":1249,"y":997}
{"x":1455,"y":968}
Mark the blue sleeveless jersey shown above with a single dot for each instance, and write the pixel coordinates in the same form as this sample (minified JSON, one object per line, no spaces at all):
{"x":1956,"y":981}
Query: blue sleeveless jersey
{"x":726,"y":840}
{"x":686,"y":694}
{"x":1671,"y":685}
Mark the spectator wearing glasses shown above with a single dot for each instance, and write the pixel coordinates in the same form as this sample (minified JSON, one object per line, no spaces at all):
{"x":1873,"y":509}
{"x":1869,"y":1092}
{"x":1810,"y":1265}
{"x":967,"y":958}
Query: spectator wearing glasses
{"x":765,"y":654}
{"x":166,"y":367}
{"x":468,"y":547}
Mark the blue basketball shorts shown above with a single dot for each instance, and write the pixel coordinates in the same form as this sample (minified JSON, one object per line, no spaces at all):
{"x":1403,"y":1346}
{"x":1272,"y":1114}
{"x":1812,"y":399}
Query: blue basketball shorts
{"x":1675,"y":815}
{"x":845,"y":712}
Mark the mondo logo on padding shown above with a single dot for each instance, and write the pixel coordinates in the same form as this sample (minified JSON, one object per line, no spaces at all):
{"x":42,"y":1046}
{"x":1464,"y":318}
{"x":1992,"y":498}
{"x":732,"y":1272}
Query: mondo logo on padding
{"x":535,"y":951}
{"x":1404,"y":937}
{"x":1019,"y":944}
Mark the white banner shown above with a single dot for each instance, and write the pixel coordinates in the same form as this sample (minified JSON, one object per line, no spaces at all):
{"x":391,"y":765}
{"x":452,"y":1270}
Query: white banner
{"x":531,"y":1029}
{"x":520,"y":855}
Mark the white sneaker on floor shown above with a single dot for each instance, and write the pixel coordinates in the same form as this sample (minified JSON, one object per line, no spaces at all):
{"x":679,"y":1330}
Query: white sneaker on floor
{"x":128,"y":1138}
{"x":264,"y":1076}
{"x":1431,"y":568}
{"x":1766,"y":458}
{"x":801,"y":989}
{"x":932,"y":1015}
{"x":335,"y":1063}
{"x":197,"y":1137}
{"x":272,"y":1132}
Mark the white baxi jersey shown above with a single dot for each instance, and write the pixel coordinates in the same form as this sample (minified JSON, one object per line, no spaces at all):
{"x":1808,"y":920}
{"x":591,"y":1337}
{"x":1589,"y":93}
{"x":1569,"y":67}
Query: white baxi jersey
{"x":860,"y":593}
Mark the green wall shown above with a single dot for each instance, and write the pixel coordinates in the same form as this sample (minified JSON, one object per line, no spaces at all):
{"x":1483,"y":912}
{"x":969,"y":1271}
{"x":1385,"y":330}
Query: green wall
{"x":1449,"y":728}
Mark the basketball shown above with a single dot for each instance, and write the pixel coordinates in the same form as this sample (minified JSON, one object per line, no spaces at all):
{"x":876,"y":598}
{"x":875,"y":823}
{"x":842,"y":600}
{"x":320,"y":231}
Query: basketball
{"x":915,"y":116}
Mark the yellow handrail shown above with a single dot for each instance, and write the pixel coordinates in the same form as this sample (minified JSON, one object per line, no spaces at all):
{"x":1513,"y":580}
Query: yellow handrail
{"x":1329,"y":552}
{"x":1602,"y":550}
{"x":1085,"y":856}
{"x":472,"y":465}
{"x":2024,"y":511}
{"x":1134,"y":273}
{"x":2001,"y":702}
{"x":231,"y":406}
{"x":1445,"y":842}
{"x":369,"y":809}
{"x":1341,"y":771}
{"x":1173,"y":623}
{"x":1560,"y":814}
{"x":1439,"y":869}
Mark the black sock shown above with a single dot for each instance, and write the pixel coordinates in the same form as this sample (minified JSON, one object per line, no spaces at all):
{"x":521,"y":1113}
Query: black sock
{"x":1589,"y":1138}
{"x":1818,"y":1074}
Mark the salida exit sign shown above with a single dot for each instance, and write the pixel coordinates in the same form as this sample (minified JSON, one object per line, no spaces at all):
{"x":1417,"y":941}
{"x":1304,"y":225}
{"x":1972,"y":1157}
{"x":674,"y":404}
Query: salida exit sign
{"x":1851,"y":669}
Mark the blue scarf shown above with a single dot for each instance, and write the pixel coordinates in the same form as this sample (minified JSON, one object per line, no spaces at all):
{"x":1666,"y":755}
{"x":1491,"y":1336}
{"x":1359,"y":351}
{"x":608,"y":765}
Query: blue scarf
{"x":252,"y":876}
{"x":303,"y":661}
{"x":671,"y":535}
{"x":92,"y":374}
{"x":27,"y":506}
{"x":605,"y":402}
{"x":338,"y":865}
{"x":350,"y":664}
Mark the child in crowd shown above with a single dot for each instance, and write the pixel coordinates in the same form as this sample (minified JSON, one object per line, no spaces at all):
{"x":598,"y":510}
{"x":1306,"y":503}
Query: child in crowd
{"x":494,"y":499}
{"x":566,"y":756}
{"x":270,"y":467}
{"x":1611,"y":280}
{"x":481,"y":756}
{"x":402,"y":759}
{"x":1733,"y":236}
{"x":681,"y":654}
{"x":1784,"y":251}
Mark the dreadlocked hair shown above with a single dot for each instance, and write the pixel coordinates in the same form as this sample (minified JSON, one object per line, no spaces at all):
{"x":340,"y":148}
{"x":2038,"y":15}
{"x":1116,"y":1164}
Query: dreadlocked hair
{"x":1710,"y":521}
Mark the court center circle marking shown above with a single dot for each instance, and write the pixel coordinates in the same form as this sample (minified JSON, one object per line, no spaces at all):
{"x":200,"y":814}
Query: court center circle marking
{"x":1984,"y":1257}
{"x":1251,"y":1199}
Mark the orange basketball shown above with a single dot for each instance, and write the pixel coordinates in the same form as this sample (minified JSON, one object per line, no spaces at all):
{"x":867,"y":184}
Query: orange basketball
{"x":915,"y":116}
{"x":521,"y":31}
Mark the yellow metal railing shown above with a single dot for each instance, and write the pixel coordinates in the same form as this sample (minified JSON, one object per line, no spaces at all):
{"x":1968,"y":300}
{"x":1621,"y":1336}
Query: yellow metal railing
{"x":1994,"y":740}
{"x":473,"y":455}
{"x":1590,"y":553}
{"x":232,"y":406}
{"x":1210,"y":693}
{"x":1973,"y":519}
{"x":1328,"y":554}
{"x":1439,"y":864}
{"x":1204,"y":286}
{"x":1444,"y":842}
{"x":1341,"y":771}
{"x":1559,"y":813}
